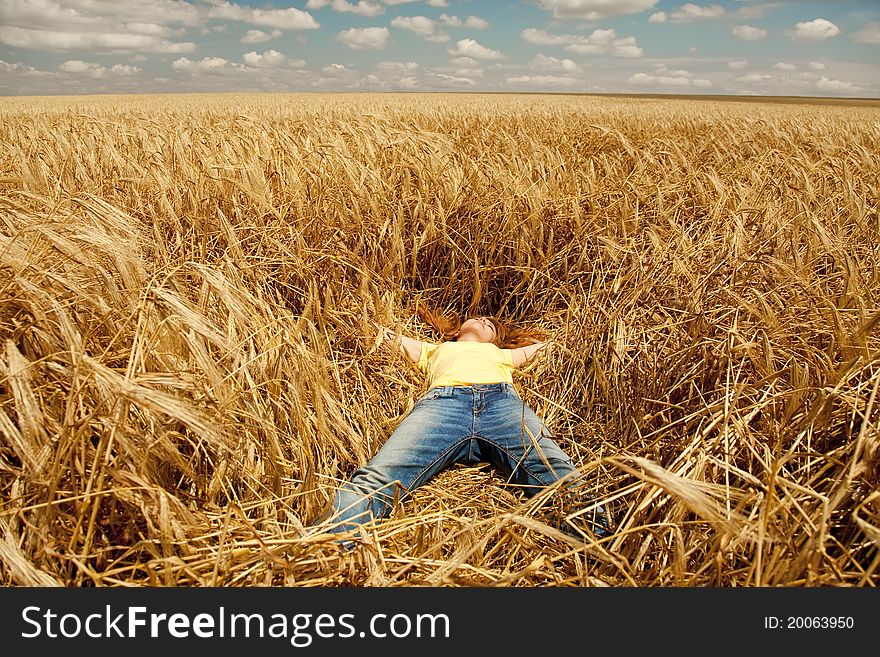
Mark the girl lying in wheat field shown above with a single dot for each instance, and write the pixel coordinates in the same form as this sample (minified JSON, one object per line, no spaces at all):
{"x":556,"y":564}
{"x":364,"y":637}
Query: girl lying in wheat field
{"x":471,"y":413}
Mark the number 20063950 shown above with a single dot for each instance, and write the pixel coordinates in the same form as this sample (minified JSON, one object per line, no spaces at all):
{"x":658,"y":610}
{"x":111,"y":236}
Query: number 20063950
{"x":808,"y":622}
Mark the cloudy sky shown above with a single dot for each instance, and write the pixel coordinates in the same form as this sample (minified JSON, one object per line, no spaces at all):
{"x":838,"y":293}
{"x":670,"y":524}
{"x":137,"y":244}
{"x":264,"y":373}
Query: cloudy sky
{"x":619,"y":46}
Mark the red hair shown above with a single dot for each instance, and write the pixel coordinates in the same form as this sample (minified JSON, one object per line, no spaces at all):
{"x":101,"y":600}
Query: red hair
{"x":447,"y":324}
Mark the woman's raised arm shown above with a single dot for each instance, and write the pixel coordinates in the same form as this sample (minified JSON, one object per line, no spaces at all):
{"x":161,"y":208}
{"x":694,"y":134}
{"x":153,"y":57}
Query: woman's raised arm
{"x":522,"y":355}
{"x":410,"y":348}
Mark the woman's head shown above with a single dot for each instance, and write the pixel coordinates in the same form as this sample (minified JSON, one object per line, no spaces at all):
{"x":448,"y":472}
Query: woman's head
{"x":479,"y":328}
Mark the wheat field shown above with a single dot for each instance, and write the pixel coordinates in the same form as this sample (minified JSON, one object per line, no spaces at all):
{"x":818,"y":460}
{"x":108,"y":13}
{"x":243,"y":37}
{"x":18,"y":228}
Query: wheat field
{"x":188,"y":364}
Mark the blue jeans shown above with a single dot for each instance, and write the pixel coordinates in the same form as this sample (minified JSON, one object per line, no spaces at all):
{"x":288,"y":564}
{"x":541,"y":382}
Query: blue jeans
{"x":457,"y":424}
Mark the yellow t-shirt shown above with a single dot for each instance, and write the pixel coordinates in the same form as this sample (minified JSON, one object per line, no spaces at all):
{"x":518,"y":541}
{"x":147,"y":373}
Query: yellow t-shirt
{"x":465,"y":363}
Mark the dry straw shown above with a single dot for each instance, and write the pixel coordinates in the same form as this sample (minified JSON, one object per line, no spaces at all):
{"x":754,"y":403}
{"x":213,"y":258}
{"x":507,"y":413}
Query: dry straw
{"x":188,"y":365}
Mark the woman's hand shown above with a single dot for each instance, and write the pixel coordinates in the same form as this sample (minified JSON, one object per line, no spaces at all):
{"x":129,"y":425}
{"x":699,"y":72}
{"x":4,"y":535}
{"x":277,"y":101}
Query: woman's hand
{"x":410,"y":348}
{"x":383,"y":333}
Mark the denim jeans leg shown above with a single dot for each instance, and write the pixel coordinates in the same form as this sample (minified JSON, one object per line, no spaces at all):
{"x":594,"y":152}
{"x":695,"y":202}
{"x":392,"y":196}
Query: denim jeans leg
{"x":521,"y":445}
{"x":433,"y":435}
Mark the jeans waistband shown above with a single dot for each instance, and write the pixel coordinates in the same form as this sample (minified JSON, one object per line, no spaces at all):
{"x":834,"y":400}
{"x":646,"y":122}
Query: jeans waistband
{"x":484,"y":387}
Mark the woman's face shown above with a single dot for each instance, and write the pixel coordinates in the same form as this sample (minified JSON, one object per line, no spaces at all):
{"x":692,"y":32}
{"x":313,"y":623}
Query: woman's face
{"x":481,"y":328}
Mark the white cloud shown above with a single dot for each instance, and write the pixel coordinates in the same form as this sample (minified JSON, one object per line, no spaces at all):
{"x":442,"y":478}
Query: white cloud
{"x":464,"y":62}
{"x":19,"y":37}
{"x":602,"y":37}
{"x":738,"y":63}
{"x":336,"y":69}
{"x":869,"y":33}
{"x":450,"y":21}
{"x":97,"y":15}
{"x":546,"y":63}
{"x":145,"y":17}
{"x":594,"y":10}
{"x":689,"y":13}
{"x":92,"y":70}
{"x":816,"y":66}
{"x":643,"y":79}
{"x":397,"y":67}
{"x":544,"y":38}
{"x":268,"y":59}
{"x":438,"y":3}
{"x":396,"y":75}
{"x":361,"y":8}
{"x":815,"y":30}
{"x":626,"y":48}
{"x":282,"y":19}
{"x":658,"y":17}
{"x":586,"y":48}
{"x":602,"y":41}
{"x":19,"y":69}
{"x":124,"y":70}
{"x":473,"y":22}
{"x":207,"y":66}
{"x":605,"y":41}
{"x":469,"y":72}
{"x":668,"y":78}
{"x":143,"y":26}
{"x":422,"y":26}
{"x":364,"y":38}
{"x":837,"y":86}
{"x":258,"y":36}
{"x":470,"y":48}
{"x":78,"y":66}
{"x":784,"y":66}
{"x":543,"y":80}
{"x":454,"y":80}
{"x":151,"y":29}
{"x":476,"y":23}
{"x":748,"y":33}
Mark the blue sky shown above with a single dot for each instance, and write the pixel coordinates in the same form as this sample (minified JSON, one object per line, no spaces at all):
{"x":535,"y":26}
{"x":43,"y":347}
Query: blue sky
{"x":582,"y":46}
